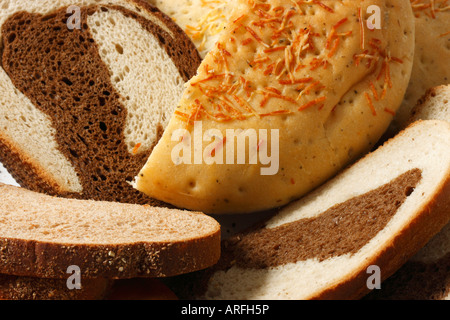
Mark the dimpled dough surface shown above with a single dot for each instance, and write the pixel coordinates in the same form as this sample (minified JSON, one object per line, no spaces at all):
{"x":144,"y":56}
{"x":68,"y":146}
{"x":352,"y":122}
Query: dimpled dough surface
{"x":432,"y":53}
{"x":315,"y":72}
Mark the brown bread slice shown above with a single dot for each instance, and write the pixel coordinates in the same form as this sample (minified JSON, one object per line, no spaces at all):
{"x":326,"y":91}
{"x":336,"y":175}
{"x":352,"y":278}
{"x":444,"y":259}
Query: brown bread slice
{"x":41,"y":236}
{"x":379,"y":212}
{"x":82,"y":109}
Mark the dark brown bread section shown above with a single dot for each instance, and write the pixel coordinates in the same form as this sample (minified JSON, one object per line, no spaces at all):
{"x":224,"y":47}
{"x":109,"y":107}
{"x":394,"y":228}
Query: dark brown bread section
{"x":342,"y":229}
{"x":417,"y":281}
{"x":61,"y":72}
{"x":27,"y":288}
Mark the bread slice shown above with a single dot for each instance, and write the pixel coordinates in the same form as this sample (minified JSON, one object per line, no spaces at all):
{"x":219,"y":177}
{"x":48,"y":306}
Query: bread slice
{"x":41,"y":236}
{"x":27,"y":288}
{"x":432,"y":54}
{"x":425,"y":276}
{"x":82,"y":109}
{"x":434,"y":105}
{"x":279,"y":67}
{"x":203,"y":21}
{"x":378,"y":212}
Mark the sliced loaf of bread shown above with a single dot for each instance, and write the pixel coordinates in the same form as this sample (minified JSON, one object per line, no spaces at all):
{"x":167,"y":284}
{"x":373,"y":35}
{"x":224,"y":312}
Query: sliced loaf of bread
{"x":41,"y":236}
{"x":90,"y":95}
{"x":377,"y":213}
{"x":28,"y":288}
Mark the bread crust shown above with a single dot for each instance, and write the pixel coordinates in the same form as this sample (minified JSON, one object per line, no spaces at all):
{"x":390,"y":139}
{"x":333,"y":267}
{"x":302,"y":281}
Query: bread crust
{"x":48,"y":260}
{"x":28,"y":173}
{"x":36,"y":249}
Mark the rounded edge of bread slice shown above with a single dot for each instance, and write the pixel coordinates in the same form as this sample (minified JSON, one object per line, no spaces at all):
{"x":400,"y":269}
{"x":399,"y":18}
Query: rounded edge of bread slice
{"x":434,"y":105}
{"x":423,"y":145}
{"x":423,"y":277}
{"x":41,"y":236}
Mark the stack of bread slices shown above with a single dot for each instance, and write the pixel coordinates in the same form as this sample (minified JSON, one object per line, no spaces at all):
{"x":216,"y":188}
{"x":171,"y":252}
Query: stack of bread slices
{"x":93,"y":90}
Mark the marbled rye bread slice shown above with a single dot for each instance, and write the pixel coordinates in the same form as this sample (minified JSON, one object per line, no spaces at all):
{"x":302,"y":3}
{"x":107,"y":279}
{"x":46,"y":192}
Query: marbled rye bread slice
{"x":82,"y":109}
{"x":380,"y":211}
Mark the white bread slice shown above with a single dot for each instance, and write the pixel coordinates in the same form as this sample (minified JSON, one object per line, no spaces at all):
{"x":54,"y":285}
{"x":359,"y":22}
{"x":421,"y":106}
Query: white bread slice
{"x":41,"y":236}
{"x":330,"y":258}
{"x":115,"y":112}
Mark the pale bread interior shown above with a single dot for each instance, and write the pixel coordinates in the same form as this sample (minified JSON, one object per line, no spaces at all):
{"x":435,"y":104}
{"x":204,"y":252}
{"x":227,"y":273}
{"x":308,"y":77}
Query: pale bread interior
{"x":141,"y":71}
{"x":425,"y":146}
{"x":32,"y":132}
{"x":435,"y":106}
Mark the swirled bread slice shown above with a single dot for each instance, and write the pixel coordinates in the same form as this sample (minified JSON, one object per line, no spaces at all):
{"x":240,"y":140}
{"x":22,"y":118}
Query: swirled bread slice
{"x":41,"y":236}
{"x":310,"y":87}
{"x":432,"y":53}
{"x":95,"y":86}
{"x":378,"y":212}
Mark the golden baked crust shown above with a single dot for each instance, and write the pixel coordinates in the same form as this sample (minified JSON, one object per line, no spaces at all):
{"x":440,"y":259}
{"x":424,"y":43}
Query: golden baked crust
{"x":314,"y":72}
